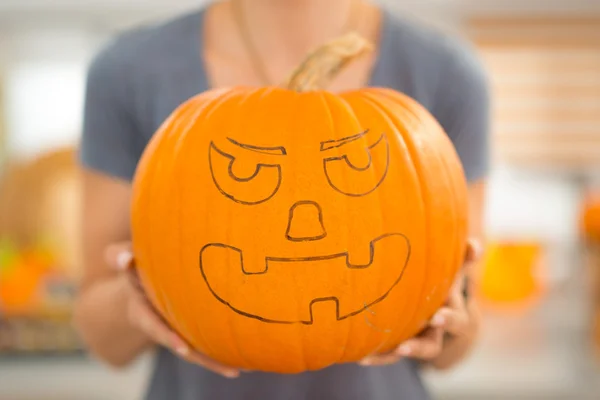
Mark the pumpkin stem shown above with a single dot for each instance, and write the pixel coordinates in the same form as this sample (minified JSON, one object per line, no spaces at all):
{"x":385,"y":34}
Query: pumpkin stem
{"x":323,"y":64}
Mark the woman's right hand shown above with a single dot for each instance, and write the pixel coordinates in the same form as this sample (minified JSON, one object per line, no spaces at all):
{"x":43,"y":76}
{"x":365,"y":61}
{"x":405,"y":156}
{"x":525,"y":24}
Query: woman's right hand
{"x":144,"y":317}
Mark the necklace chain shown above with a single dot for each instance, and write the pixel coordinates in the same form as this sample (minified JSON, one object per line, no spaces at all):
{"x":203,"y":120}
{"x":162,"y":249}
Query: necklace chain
{"x":257,"y":61}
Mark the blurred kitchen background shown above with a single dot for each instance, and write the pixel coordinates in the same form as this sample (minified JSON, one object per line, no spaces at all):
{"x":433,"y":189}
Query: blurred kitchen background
{"x":540,"y":282}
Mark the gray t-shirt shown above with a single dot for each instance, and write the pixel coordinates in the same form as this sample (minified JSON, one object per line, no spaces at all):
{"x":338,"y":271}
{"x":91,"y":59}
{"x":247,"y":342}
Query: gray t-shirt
{"x":141,"y":77}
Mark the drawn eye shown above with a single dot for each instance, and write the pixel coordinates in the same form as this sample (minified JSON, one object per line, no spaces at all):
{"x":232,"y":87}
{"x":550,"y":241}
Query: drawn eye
{"x":360,"y":172}
{"x":243,"y":181}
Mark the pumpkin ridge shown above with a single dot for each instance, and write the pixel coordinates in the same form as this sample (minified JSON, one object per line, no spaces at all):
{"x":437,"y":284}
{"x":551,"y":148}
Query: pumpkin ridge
{"x":349,"y":98}
{"x":178,"y":149}
{"x":456,"y":238}
{"x":163,"y":140}
{"x":298,"y":101}
{"x":401,"y":131}
{"x":397,"y":134}
{"x":327,"y":100}
{"x":409,"y":104}
{"x":256,"y":92}
{"x":206,"y":110}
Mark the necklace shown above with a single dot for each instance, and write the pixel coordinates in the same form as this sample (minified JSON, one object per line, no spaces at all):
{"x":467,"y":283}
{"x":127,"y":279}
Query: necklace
{"x":257,"y":61}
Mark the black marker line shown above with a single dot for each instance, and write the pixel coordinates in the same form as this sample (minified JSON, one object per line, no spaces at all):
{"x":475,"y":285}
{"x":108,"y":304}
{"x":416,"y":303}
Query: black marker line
{"x":291,"y":215}
{"x":332,"y":144}
{"x":237,"y":179}
{"x":280,"y":150}
{"x":319,"y":258}
{"x":345,"y":158}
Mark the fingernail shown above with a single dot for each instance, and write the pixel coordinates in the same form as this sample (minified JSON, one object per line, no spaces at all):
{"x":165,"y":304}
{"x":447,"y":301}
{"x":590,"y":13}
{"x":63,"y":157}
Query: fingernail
{"x":403,"y":350}
{"x":182,"y":351}
{"x":124,"y":260}
{"x":231,"y":374}
{"x":365,"y":362}
{"x":477,"y":249}
{"x":438,"y":320}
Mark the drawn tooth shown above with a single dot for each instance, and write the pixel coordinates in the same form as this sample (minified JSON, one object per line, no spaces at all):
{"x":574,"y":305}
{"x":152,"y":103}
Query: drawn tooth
{"x":253,"y":263}
{"x":361,"y":256}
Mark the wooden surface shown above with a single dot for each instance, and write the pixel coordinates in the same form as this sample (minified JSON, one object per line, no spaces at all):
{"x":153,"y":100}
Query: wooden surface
{"x":3,"y":138}
{"x":526,"y":31}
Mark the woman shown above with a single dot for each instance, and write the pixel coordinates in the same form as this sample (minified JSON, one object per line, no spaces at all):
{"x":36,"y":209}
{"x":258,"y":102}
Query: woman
{"x":139,"y":79}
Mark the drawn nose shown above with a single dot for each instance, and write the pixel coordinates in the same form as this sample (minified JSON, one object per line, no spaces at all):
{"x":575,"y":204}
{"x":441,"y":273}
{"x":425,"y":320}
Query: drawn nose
{"x":305,"y":222}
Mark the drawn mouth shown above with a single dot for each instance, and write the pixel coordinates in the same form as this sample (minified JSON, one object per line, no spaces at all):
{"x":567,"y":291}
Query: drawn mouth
{"x":252,"y":286}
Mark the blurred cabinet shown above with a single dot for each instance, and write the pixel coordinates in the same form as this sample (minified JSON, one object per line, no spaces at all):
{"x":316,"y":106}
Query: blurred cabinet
{"x":3,"y":134}
{"x":546,"y":88}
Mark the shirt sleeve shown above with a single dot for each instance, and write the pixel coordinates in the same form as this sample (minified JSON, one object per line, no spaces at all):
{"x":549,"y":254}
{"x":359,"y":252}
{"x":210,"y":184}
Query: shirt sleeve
{"x":464,"y":111}
{"x":110,"y":141}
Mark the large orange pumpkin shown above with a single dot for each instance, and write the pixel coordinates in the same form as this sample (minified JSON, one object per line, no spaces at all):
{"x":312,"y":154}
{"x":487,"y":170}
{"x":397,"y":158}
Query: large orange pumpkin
{"x":290,"y":229}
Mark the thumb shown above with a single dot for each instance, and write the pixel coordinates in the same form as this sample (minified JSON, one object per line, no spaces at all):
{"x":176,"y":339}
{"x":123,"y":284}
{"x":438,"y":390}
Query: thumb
{"x":474,"y":251}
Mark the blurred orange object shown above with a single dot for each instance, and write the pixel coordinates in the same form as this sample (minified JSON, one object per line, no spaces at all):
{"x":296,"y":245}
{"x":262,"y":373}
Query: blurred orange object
{"x":590,"y":217}
{"x":510,"y":277}
{"x":8,"y":255}
{"x":40,"y":260}
{"x":20,"y":287}
{"x":40,"y":206}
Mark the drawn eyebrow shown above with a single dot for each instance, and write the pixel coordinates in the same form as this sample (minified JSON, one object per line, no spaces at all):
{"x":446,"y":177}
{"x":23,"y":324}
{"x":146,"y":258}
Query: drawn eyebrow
{"x":280,"y":150}
{"x":332,"y":144}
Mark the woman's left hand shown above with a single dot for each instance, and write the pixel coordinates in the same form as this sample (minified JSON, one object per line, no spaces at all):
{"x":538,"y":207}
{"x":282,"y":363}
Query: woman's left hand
{"x":457,"y":321}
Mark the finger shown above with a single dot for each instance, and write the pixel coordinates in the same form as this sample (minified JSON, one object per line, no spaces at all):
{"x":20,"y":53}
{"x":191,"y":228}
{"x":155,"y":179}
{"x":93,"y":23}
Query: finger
{"x":211,"y":364}
{"x":380,"y":359}
{"x":458,"y":284}
{"x":134,"y":280}
{"x":119,"y":256}
{"x":143,"y":316}
{"x":425,"y":347}
{"x":455,"y":322}
{"x":474,"y":251}
{"x":456,"y":299}
{"x":457,"y":288}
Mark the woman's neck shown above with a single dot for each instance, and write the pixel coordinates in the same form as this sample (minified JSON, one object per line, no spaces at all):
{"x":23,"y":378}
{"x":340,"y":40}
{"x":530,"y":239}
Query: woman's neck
{"x":279,"y":33}
{"x":300,"y":25}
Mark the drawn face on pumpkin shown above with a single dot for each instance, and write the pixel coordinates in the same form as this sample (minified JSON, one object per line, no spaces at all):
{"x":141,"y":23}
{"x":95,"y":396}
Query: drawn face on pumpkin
{"x":304,"y":218}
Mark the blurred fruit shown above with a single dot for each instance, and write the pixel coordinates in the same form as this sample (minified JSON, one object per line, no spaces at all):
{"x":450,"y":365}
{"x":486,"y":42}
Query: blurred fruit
{"x":41,"y":260}
{"x":510,"y":277}
{"x":589,"y":221}
{"x":8,"y":256}
{"x":19,"y":289}
{"x":39,"y":204}
{"x":22,"y":279}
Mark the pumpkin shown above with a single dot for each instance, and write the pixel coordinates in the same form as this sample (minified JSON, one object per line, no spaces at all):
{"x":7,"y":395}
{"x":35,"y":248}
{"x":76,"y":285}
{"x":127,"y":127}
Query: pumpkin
{"x":289,"y":229}
{"x":589,"y":221}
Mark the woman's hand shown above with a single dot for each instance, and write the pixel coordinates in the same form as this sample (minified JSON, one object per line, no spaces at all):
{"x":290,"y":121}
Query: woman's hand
{"x":143,"y":316}
{"x":450,"y":333}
